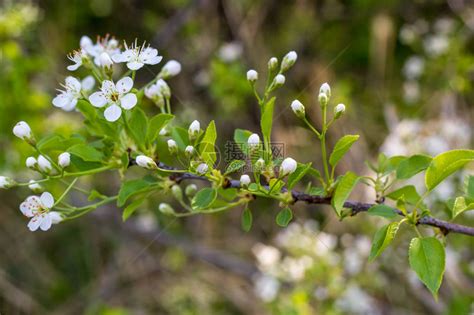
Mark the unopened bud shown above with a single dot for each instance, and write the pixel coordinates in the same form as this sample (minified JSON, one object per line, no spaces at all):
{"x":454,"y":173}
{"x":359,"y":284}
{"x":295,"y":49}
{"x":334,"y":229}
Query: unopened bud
{"x":272,"y":64}
{"x":189,"y":151}
{"x":31,"y":162}
{"x":339,"y":110}
{"x":190,"y":190}
{"x":172,"y":146}
{"x":253,"y":141}
{"x":288,"y":166}
{"x":22,"y":130}
{"x":202,"y":168}
{"x":323,"y":99}
{"x":105,"y":60}
{"x":278,"y":81}
{"x":35,"y":187}
{"x":171,"y":69}
{"x":44,"y":165}
{"x":177,"y":192}
{"x":325,"y":89}
{"x":64,"y":159}
{"x":298,"y":108}
{"x":6,"y":182}
{"x":194,"y":130}
{"x":166,"y":209}
{"x":288,"y":61}
{"x":146,"y":162}
{"x":260,"y":164}
{"x":252,"y":76}
{"x":244,"y":180}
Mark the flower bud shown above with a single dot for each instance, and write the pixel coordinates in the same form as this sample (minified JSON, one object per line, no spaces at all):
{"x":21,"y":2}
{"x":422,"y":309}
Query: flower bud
{"x":288,"y":61}
{"x":6,"y":182}
{"x":44,"y":165}
{"x":31,"y":162}
{"x":298,"y":108}
{"x":244,"y":180}
{"x":166,"y":208}
{"x":172,"y":146}
{"x":194,"y":130}
{"x":64,"y":159}
{"x":146,"y":162}
{"x":189,"y":151}
{"x":323,"y":99}
{"x":260,"y":164}
{"x":105,"y":60}
{"x":278,"y":81}
{"x":339,"y":110}
{"x":252,"y":76}
{"x":288,"y":166}
{"x":253,"y":141}
{"x":164,"y":131}
{"x":22,"y":130}
{"x":164,"y":88}
{"x":190,"y":190}
{"x":272,"y":64}
{"x":325,"y":89}
{"x":171,"y":69}
{"x":55,"y":217}
{"x":202,"y":168}
{"x":35,"y":187}
{"x":177,"y":192}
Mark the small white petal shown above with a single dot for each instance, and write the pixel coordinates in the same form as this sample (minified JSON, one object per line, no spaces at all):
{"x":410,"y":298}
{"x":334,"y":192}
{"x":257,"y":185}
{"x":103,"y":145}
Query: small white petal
{"x":72,"y":82}
{"x":124,"y":85}
{"x":61,"y":100}
{"x":98,"y":99}
{"x":155,"y":60}
{"x":112,"y":113}
{"x":134,"y":65}
{"x":69,"y":107}
{"x":74,"y":67}
{"x":46,"y":222}
{"x":88,"y":83}
{"x":47,"y":200}
{"x":108,"y":87}
{"x":34,"y":224}
{"x":128,"y":101}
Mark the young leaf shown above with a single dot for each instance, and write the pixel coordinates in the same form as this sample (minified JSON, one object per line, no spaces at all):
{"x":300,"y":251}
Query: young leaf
{"x":206,"y":147}
{"x":130,"y":209}
{"x":460,"y":206}
{"x":382,"y":211}
{"x":343,"y":190}
{"x":470,"y":187}
{"x":234,"y":166}
{"x":156,"y":124}
{"x":138,"y":124}
{"x":134,"y":187}
{"x":204,"y":198}
{"x":86,"y":153}
{"x":180,"y":135}
{"x":240,"y":138}
{"x":341,"y":148}
{"x":413,"y":165}
{"x":408,"y":192}
{"x":446,"y":164}
{"x":267,"y":118}
{"x":284,"y":217}
{"x":382,"y":239}
{"x":297,"y":175}
{"x":246,"y":220}
{"x":427,"y":259}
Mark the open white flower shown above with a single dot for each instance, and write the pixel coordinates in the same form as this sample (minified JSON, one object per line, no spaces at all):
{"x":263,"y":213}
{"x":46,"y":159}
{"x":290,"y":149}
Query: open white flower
{"x":68,"y":97}
{"x":107,"y":45}
{"x":38,"y":209}
{"x":116,"y":96}
{"x":77,"y":57}
{"x":22,"y":130}
{"x":137,"y":56}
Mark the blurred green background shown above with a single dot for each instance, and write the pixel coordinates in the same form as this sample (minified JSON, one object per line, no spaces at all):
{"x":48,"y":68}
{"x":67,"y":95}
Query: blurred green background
{"x":404,"y":69}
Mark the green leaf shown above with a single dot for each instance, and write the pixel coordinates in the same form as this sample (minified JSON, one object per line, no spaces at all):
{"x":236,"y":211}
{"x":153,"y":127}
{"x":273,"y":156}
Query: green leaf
{"x":156,"y":124}
{"x":341,"y":148}
{"x":234,"y":166}
{"x":427,"y":259}
{"x":314,"y":172}
{"x":240,"y":138}
{"x":204,"y":198}
{"x":246,"y":220}
{"x":391,"y":164}
{"x":408,"y":192}
{"x":297,"y":175}
{"x":86,"y":153}
{"x":446,"y":164}
{"x":413,"y":165}
{"x":138,"y":124}
{"x":275,"y":185}
{"x":134,"y":187}
{"x":130,"y":209}
{"x":284,"y":217}
{"x":343,"y":190}
{"x":207,"y":145}
{"x":383,"y":211}
{"x":470,"y":187}
{"x":267,"y":118}
{"x":382,"y":239}
{"x":460,"y":206}
{"x":180,"y":135}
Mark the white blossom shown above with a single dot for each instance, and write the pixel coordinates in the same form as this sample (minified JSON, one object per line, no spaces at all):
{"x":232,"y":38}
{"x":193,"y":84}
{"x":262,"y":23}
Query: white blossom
{"x":252,"y":75}
{"x":77,"y":57}
{"x":298,"y":108}
{"x":288,"y":166}
{"x":194,"y":129}
{"x":31,"y":162}
{"x":171,"y":68}
{"x":137,"y":56}
{"x":44,"y":165}
{"x":202,"y":168}
{"x":115,"y":96}
{"x":108,"y":45}
{"x":244,"y":180}
{"x":146,"y":162}
{"x":253,"y":141}
{"x":105,"y":60}
{"x":6,"y":182}
{"x":71,"y":93}
{"x":38,"y":209}
{"x":22,"y":130}
{"x":64,"y":159}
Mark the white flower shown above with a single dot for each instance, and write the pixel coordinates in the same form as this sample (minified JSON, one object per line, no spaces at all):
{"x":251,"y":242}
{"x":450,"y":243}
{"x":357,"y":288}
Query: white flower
{"x":288,"y":61}
{"x":6,"y":182}
{"x":202,"y":168}
{"x":171,"y":69}
{"x":105,"y":60}
{"x":38,"y":208}
{"x":252,"y":75}
{"x":108,"y":45}
{"x":325,"y":89}
{"x":298,"y":108}
{"x":146,"y":162}
{"x":77,"y":57}
{"x":34,"y":186}
{"x":64,"y":159}
{"x":279,"y":80}
{"x":189,"y":150}
{"x":288,"y":166}
{"x":22,"y":130}
{"x":67,"y":98}
{"x":272,"y":63}
{"x":194,"y":129}
{"x":253,"y":141}
{"x":244,"y":180}
{"x":116,"y":96}
{"x":137,"y":56}
{"x":31,"y":162}
{"x":339,"y":110}
{"x":44,"y":165}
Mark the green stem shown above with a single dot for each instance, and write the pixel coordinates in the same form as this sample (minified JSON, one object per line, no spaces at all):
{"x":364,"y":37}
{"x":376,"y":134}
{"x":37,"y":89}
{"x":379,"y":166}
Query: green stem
{"x":89,"y":208}
{"x":323,"y":147}
{"x":66,"y":191}
{"x":311,"y":127}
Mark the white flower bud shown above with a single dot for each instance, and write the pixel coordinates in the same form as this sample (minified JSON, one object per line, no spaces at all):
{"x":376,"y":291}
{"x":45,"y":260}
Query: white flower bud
{"x":146,"y":162}
{"x":35,"y":187}
{"x":172,"y":146}
{"x":288,"y":166}
{"x":244,"y":180}
{"x":194,"y":129}
{"x":253,"y":141}
{"x":164,"y":131}
{"x":44,"y":165}
{"x":189,"y":151}
{"x":6,"y":182}
{"x":272,"y":64}
{"x":325,"y":89}
{"x":171,"y":69}
{"x":22,"y":130}
{"x":288,"y":61}
{"x":339,"y":110}
{"x":31,"y":162}
{"x":260,"y":164}
{"x":323,"y":99}
{"x":55,"y":217}
{"x":164,"y":88}
{"x":165,"y":208}
{"x":190,"y":190}
{"x":252,"y":75}
{"x":298,"y":108}
{"x":177,"y":192}
{"x":105,"y":60}
{"x":64,"y":159}
{"x":202,"y":168}
{"x":279,"y":80}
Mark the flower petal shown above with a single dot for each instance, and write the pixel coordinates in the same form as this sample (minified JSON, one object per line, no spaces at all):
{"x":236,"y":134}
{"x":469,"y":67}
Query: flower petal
{"x":62,"y":100}
{"x":73,"y":83}
{"x":30,"y":206}
{"x":112,"y":113}
{"x":47,"y":200}
{"x":55,"y":217}
{"x":134,"y":65}
{"x":97,"y":99}
{"x":34,"y":224}
{"x":46,"y":221}
{"x":108,"y":87}
{"x":154,"y":60}
{"x":124,"y":85}
{"x":69,"y":107}
{"x":74,"y":67}
{"x":88,"y":83}
{"x":128,"y":101}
